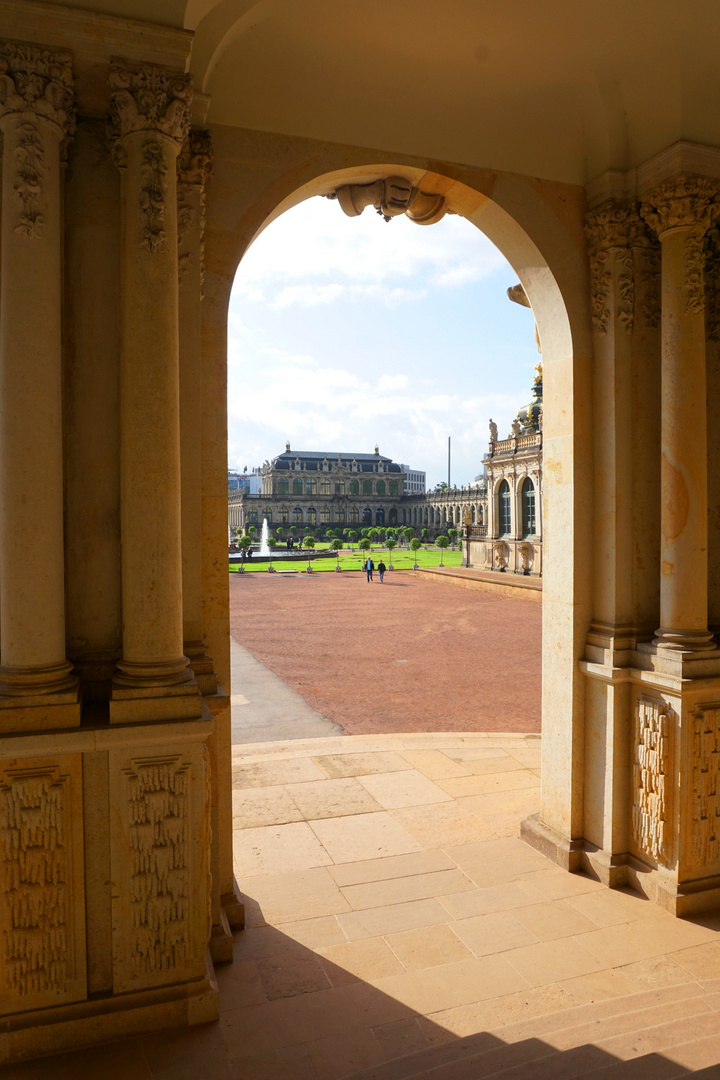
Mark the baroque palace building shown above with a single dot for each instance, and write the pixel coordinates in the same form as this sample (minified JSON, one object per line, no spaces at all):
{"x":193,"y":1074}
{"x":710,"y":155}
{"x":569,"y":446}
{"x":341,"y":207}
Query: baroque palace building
{"x":145,"y":146}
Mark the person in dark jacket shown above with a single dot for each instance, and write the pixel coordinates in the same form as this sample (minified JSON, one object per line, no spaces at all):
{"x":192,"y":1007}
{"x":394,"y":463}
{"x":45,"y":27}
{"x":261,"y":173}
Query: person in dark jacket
{"x":381,"y":570}
{"x":369,"y":567}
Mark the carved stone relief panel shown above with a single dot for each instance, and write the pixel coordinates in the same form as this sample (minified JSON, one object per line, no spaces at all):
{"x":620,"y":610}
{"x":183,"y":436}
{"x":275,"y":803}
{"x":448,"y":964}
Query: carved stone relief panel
{"x":651,"y":781}
{"x":705,"y":750}
{"x":160,"y":865}
{"x":42,"y":915}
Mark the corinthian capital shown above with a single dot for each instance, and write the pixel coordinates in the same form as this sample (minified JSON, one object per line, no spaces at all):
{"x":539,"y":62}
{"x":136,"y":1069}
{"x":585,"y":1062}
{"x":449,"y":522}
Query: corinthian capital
{"x":195,"y":161}
{"x":149,"y":98}
{"x":682,"y":202}
{"x":615,"y":224}
{"x":37,"y":80}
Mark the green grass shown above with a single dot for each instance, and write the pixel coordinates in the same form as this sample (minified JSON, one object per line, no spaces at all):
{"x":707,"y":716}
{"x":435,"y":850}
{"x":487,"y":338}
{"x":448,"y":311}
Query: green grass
{"x":401,"y":560}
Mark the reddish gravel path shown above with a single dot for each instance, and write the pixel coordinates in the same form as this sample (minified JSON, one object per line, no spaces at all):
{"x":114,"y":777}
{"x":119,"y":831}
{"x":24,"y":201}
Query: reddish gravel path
{"x":410,"y":655}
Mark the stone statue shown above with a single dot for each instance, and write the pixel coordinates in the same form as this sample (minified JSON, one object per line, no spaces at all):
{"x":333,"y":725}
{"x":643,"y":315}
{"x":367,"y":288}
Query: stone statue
{"x":493,"y":431}
{"x":391,"y":197}
{"x":515,"y":427}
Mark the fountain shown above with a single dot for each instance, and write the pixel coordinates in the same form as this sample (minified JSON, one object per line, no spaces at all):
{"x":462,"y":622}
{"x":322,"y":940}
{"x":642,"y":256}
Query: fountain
{"x":264,"y":548}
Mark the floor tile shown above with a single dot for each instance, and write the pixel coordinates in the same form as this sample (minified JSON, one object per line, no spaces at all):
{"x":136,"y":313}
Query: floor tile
{"x":409,"y":789}
{"x":360,"y":764}
{"x":401,"y":1038}
{"x":558,"y":919}
{"x":656,"y":971}
{"x":446,"y":987}
{"x":315,"y":933}
{"x":552,"y":883}
{"x":255,"y":807}
{"x":428,"y":947}
{"x":271,"y":773}
{"x":475,"y":753}
{"x":599,"y":986}
{"x":497,"y":861}
{"x":393,"y":919}
{"x":333,"y":798}
{"x":368,"y":959}
{"x":421,"y":862}
{"x":610,"y":907}
{"x":277,"y":849}
{"x":617,"y":946}
{"x":483,"y":901}
{"x":369,"y":836}
{"x":553,"y":961}
{"x":294,"y":971}
{"x":434,"y":764}
{"x":341,"y":1055}
{"x":305,"y":894}
{"x":496,"y":1012}
{"x":488,"y":782}
{"x":702,"y":961}
{"x":493,"y":933}
{"x":442,"y":823}
{"x":398,"y":890}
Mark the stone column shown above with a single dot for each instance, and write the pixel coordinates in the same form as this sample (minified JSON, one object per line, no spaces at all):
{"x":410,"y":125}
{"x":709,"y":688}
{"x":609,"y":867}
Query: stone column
{"x":36,"y":102}
{"x":681,"y":210}
{"x":194,"y":170}
{"x":149,"y":117}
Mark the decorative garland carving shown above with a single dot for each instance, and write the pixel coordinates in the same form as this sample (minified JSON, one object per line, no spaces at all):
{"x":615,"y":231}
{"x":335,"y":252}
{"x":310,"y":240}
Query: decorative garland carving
{"x":35,"y":875}
{"x":614,"y":230}
{"x":158,"y":823}
{"x":391,"y":197}
{"x":651,"y":777}
{"x":28,"y":184}
{"x":194,"y":171}
{"x":38,"y":80}
{"x":706,"y":796}
{"x":153,"y":196}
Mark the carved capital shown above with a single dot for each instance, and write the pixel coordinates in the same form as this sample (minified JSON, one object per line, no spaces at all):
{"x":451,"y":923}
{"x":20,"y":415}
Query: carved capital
{"x":614,"y":229}
{"x":37,"y":80}
{"x":682,"y":202}
{"x":615,"y":224}
{"x":391,"y":197}
{"x":149,"y":98}
{"x":195,"y":160}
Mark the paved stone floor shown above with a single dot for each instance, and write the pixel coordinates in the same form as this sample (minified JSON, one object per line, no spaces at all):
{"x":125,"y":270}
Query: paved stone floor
{"x":398,"y":928}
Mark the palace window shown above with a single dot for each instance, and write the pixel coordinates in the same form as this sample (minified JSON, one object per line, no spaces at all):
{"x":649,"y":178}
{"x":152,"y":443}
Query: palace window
{"x":354,"y":487}
{"x":267,"y":514}
{"x":393,"y":487}
{"x":284,"y":515}
{"x":527,"y":502}
{"x":311,"y":487}
{"x":311,"y":516}
{"x":339,"y":487}
{"x":340,"y":515}
{"x":297,"y":516}
{"x":393,"y":515}
{"x":367,"y":487}
{"x":354,"y":515}
{"x":325,"y":515}
{"x":252,"y":517}
{"x":283,"y":487}
{"x":504,"y":514}
{"x":297,"y":487}
{"x":380,"y":516}
{"x":367,"y":516}
{"x":380,"y":487}
{"x":324,"y":487}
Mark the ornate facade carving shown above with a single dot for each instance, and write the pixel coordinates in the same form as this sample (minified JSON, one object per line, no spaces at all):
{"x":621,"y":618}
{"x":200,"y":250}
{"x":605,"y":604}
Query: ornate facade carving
{"x":37,"y":80}
{"x":36,"y":882}
{"x":651,"y":777}
{"x":391,"y":197}
{"x":28,"y":183}
{"x":194,"y":171}
{"x":149,"y":98}
{"x":153,"y":197}
{"x":157,"y":828}
{"x":706,"y":777}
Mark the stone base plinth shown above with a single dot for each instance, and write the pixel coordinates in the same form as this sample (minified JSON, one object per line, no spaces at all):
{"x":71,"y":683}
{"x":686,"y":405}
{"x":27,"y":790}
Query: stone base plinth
{"x":135,"y":705}
{"x":52,"y":1031}
{"x":561,"y":849}
{"x":40,"y":712}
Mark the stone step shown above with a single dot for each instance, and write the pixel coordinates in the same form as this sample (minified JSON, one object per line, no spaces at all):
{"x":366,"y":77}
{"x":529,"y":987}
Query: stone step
{"x":535,"y":1047}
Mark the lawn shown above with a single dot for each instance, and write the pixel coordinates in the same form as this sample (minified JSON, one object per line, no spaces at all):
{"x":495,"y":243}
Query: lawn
{"x":401,"y":560}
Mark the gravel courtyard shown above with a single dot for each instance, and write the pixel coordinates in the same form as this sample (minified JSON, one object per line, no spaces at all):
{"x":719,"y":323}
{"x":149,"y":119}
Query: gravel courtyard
{"x":406,"y":656}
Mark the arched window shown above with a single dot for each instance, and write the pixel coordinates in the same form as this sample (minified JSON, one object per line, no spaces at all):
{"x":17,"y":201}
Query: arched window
{"x":252,"y":517}
{"x":283,"y":486}
{"x":284,"y":515}
{"x":339,"y":487}
{"x":267,"y":514}
{"x":354,"y":487}
{"x":380,"y":516}
{"x":297,"y":487}
{"x":367,"y":516}
{"x":380,"y":487}
{"x":325,"y":515}
{"x":367,"y":487}
{"x":393,"y":516}
{"x":340,"y":514}
{"x":504,"y":515}
{"x":324,"y":487}
{"x":527,"y":503}
{"x":311,"y":516}
{"x":473,"y":515}
{"x":311,"y":487}
{"x":393,"y":487}
{"x":297,"y":516}
{"x":354,"y":515}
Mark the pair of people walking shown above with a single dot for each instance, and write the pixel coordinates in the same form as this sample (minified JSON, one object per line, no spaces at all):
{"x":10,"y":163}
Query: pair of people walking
{"x":370,"y":566}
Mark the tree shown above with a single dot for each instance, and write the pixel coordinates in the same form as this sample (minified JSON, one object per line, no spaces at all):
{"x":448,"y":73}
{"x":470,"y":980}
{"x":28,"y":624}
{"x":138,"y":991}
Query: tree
{"x":414,"y":545}
{"x":364,"y":532}
{"x":425,"y":534}
{"x":293,"y":529}
{"x":364,"y":544}
{"x":244,"y":543}
{"x":442,"y":542}
{"x":452,"y":533}
{"x":352,"y":536}
{"x":336,"y":546}
{"x":251,"y":529}
{"x":279,"y":532}
{"x":309,"y":543}
{"x":372,"y":535}
{"x":329,"y":533}
{"x":408,"y":532}
{"x":272,"y":544}
{"x":390,"y":543}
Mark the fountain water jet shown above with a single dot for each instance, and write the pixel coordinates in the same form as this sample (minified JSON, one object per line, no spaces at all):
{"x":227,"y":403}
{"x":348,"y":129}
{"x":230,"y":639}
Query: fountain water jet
{"x":264,"y":548}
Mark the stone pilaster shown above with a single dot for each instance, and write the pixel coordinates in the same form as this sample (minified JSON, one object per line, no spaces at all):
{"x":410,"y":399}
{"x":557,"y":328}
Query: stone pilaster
{"x":36,"y":115}
{"x":194,"y":170}
{"x":681,"y":210}
{"x":150,"y":119}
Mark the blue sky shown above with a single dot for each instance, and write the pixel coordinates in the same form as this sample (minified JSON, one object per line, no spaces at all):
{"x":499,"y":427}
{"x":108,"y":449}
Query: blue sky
{"x":345,"y":333}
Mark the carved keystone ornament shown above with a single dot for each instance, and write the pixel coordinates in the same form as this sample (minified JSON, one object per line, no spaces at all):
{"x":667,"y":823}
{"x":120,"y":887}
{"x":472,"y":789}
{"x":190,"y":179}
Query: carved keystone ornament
{"x":391,"y":197}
